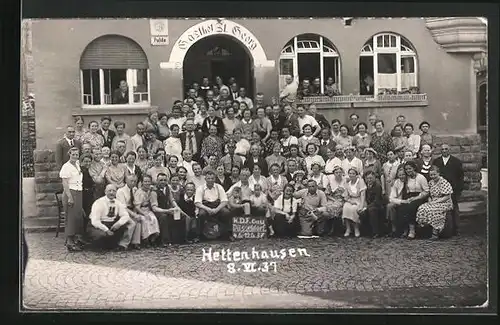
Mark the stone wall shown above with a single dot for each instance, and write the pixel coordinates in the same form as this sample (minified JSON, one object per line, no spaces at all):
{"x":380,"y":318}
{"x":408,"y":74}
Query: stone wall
{"x":467,"y":148}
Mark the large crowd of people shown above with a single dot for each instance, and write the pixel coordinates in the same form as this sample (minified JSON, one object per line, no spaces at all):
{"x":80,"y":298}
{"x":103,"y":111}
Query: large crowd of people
{"x":186,"y":173}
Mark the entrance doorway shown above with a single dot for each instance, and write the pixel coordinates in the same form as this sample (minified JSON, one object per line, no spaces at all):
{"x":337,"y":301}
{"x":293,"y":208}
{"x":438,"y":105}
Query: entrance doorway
{"x":222,"y":56}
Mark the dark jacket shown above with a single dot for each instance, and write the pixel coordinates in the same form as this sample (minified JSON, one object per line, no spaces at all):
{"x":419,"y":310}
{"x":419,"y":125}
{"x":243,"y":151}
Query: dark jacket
{"x":277,"y":122}
{"x":109,"y":139}
{"x":198,"y":137}
{"x":62,"y":149}
{"x":261,"y":162}
{"x":374,"y":195}
{"x":322,"y":121}
{"x":322,"y":148}
{"x":118,"y":98}
{"x":217,"y":121}
{"x":292,"y":123}
{"x":453,"y":172}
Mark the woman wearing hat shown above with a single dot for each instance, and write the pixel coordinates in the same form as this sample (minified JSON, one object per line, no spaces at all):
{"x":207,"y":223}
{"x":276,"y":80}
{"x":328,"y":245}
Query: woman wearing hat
{"x":355,"y":202}
{"x":416,"y":193}
{"x":372,"y":163}
{"x":351,"y":160}
{"x":425,"y":136}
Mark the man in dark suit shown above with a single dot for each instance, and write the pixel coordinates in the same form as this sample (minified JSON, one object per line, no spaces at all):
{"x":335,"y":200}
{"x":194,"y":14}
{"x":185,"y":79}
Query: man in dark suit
{"x":291,"y":121}
{"x":106,"y":133}
{"x":277,"y":118}
{"x":326,"y":142}
{"x":353,"y":128}
{"x":191,"y":139}
{"x":187,"y":206}
{"x":451,"y":169}
{"x":63,"y":146}
{"x":291,"y":169}
{"x":120,"y":95}
{"x":234,"y":91}
{"x":320,"y":118}
{"x":256,"y":159}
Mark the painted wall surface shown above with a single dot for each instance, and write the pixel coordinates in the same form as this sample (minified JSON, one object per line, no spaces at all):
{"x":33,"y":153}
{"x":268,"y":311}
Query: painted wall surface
{"x":58,"y":45}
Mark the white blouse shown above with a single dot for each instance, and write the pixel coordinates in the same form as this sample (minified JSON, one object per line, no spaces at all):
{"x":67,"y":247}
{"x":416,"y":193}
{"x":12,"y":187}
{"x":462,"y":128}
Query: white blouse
{"x":73,"y":174}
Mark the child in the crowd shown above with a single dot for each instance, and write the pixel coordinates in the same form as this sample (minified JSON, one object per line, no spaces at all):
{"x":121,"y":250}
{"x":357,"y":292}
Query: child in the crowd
{"x":259,"y":206}
{"x":389,"y":169}
{"x":237,"y":206}
{"x":408,"y":156}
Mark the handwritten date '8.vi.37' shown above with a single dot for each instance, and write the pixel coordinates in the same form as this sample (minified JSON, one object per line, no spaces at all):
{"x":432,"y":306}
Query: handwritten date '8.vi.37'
{"x":252,"y":267}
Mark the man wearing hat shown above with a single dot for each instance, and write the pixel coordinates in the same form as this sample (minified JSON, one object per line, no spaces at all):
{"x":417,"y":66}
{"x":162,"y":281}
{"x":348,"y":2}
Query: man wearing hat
{"x":351,"y":161}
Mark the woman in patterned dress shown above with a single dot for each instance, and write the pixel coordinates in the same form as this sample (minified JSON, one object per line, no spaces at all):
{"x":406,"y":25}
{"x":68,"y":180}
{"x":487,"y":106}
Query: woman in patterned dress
{"x":398,"y":139}
{"x":212,"y":145}
{"x":92,"y":137}
{"x":389,"y":172}
{"x":115,"y":174}
{"x":273,"y":140}
{"x":344,"y":139}
{"x":433,"y":213}
{"x":276,"y":158}
{"x":361,"y":140}
{"x":355,"y":202}
{"x":336,"y":192}
{"x":79,"y":129}
{"x":150,"y":229}
{"x":381,"y":141}
{"x":142,"y":159}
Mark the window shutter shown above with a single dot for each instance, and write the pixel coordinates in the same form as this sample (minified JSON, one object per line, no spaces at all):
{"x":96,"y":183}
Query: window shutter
{"x":113,"y":52}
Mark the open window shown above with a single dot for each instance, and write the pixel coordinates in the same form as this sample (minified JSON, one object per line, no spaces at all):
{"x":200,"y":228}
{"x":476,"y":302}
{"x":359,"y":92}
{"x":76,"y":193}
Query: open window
{"x":388,"y":64}
{"x":310,"y":56}
{"x":114,"y":72}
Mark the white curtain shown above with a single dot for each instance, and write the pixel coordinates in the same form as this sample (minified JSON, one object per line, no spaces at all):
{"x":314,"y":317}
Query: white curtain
{"x":408,"y":80}
{"x":387,"y":80}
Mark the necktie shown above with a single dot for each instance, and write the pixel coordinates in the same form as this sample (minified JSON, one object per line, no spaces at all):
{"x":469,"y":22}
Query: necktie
{"x":71,"y":143}
{"x":324,"y":142}
{"x":190,"y":143}
{"x":131,"y":196}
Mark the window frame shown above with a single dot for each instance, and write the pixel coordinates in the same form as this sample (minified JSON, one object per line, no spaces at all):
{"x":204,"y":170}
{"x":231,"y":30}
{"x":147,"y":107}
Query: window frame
{"x":129,"y":79}
{"x":403,"y":49}
{"x":291,"y":51}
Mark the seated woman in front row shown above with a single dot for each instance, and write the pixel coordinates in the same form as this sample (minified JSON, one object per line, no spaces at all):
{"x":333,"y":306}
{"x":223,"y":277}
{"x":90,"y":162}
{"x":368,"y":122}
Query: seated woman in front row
{"x":259,"y":206}
{"x":284,"y":220}
{"x":395,"y":201}
{"x":433,"y":213}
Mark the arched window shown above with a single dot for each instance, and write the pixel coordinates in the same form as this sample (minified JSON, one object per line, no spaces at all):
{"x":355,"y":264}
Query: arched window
{"x":387,"y":64}
{"x":310,"y":56}
{"x":105,"y":63}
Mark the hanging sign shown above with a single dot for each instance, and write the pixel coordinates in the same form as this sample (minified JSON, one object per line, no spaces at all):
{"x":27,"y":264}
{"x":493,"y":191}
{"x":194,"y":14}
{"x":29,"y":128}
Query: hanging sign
{"x":159,"y":31}
{"x":217,"y":27}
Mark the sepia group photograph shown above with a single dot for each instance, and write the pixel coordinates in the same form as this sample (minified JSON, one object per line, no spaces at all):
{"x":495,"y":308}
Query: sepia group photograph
{"x":248,"y":163}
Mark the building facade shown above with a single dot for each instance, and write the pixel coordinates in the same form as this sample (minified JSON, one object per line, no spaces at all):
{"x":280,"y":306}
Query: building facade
{"x":423,"y":68}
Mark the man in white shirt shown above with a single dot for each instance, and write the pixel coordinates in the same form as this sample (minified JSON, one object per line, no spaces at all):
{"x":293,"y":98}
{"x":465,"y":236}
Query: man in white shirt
{"x":126,"y":196}
{"x":211,"y":200}
{"x":243,"y":98}
{"x":176,"y":118}
{"x":187,"y":162}
{"x":137,"y":140}
{"x":111,"y":223}
{"x":304,"y":119}
{"x":289,"y":93}
{"x":351,"y":161}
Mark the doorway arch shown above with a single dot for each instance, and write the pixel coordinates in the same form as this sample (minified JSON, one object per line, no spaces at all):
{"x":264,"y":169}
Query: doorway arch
{"x":219,"y":55}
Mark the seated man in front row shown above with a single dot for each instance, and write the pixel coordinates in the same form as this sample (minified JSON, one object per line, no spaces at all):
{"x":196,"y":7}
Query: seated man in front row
{"x":313,"y":216}
{"x":112,"y":226}
{"x":211,"y":200}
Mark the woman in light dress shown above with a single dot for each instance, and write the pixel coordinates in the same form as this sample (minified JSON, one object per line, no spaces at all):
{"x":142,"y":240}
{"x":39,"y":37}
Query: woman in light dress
{"x":356,"y":189}
{"x":150,"y":230}
{"x":336,"y":192}
{"x":115,"y":174}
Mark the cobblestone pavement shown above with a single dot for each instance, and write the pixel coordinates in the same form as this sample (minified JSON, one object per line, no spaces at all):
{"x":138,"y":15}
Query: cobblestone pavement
{"x":339,"y":273}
